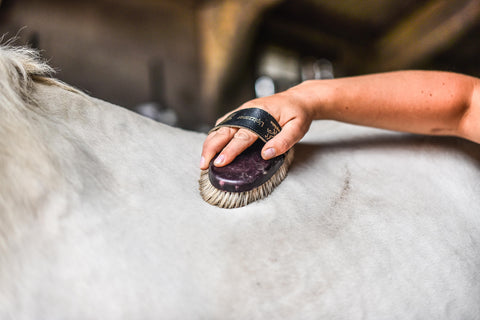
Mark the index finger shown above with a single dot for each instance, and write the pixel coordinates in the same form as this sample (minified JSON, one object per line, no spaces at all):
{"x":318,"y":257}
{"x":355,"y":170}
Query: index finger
{"x":241,"y":140}
{"x":214,"y":143}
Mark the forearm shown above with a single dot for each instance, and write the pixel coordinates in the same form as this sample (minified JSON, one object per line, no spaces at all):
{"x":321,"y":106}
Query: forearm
{"x":426,"y":102}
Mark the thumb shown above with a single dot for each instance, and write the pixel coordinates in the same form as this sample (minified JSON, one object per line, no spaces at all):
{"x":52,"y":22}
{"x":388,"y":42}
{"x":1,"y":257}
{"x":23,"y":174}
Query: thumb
{"x":291,"y":133}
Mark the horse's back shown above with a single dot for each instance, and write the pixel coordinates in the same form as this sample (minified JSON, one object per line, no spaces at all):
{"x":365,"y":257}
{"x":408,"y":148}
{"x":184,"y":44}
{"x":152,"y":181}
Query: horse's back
{"x":104,"y":219}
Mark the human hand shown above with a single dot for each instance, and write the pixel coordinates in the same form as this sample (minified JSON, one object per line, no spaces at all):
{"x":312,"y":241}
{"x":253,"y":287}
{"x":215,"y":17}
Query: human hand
{"x":290,"y":113}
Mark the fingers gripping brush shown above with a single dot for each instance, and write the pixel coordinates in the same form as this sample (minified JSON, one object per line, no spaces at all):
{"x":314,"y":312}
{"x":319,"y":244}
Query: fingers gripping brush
{"x":248,"y":177}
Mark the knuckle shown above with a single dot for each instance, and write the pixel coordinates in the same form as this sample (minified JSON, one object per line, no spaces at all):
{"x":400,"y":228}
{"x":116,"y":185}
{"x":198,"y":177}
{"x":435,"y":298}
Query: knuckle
{"x":206,"y":144}
{"x":224,"y":131}
{"x":208,"y":150}
{"x":296,"y":126}
{"x":243,"y":135}
{"x":229,"y":153}
{"x":283,"y":144}
{"x":209,"y":138}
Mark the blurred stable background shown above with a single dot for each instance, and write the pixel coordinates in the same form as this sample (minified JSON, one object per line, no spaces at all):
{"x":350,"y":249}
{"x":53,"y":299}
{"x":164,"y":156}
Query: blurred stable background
{"x":186,"y":62}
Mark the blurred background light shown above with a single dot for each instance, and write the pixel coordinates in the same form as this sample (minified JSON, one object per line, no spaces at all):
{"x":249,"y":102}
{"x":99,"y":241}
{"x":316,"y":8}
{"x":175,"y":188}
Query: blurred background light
{"x":186,"y":62}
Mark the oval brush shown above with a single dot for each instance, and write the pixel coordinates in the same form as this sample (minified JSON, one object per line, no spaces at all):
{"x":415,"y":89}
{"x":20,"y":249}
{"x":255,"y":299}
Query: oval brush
{"x":248,"y":177}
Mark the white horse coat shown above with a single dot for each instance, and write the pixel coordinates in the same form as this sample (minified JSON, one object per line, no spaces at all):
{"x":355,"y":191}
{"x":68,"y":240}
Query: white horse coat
{"x":101,"y":218}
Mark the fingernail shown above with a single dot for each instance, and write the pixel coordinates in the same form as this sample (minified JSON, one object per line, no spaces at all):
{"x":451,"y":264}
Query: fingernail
{"x":269,"y":153}
{"x":219,"y":160}
{"x":202,"y":162}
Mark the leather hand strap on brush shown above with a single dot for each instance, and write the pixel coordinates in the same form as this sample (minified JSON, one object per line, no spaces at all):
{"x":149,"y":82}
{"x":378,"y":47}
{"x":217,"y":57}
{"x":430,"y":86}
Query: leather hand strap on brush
{"x":256,"y":120}
{"x":249,"y":177}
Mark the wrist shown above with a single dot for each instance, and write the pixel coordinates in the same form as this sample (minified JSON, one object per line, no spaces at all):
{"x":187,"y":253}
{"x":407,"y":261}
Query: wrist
{"x":314,"y":96}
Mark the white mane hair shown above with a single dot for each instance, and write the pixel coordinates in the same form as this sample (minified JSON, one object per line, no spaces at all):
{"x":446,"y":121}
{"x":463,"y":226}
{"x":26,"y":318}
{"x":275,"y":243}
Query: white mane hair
{"x":100,"y":217}
{"x":27,"y":170}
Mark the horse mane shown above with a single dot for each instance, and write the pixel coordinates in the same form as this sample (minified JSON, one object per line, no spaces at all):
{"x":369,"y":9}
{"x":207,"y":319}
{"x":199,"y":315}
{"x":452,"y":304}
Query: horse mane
{"x":28,"y":171}
{"x":25,"y":66}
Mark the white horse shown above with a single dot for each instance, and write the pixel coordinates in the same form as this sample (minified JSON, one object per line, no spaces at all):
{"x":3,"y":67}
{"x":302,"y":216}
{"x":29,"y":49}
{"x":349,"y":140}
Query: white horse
{"x":101,"y":218}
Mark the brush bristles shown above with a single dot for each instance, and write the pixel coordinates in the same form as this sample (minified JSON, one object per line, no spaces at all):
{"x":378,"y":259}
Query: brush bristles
{"x":230,"y":200}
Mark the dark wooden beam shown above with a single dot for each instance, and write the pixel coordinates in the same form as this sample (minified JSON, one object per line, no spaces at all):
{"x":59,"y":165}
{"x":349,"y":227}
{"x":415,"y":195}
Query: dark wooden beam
{"x":430,"y":29}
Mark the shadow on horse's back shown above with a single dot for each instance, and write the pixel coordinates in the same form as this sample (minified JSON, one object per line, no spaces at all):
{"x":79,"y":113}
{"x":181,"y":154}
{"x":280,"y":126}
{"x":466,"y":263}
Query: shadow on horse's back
{"x":101,"y":215}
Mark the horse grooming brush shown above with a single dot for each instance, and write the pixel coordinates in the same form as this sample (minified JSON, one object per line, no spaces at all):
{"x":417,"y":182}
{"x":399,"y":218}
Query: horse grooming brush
{"x":248,"y":177}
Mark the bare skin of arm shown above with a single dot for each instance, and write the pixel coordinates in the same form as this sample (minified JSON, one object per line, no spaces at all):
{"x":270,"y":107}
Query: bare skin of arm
{"x":423,"y":102}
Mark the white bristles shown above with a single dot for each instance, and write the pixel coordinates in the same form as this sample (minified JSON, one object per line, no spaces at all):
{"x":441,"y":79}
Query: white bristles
{"x":230,"y":200}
